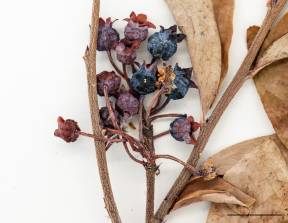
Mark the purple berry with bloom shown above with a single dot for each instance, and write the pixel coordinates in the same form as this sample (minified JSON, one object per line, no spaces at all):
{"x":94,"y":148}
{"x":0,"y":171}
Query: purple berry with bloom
{"x":182,"y":129}
{"x":144,"y":80}
{"x":126,"y":51}
{"x":127,"y":104}
{"x":109,"y":79}
{"x":108,"y":37}
{"x":137,"y":27}
{"x":163,"y":44}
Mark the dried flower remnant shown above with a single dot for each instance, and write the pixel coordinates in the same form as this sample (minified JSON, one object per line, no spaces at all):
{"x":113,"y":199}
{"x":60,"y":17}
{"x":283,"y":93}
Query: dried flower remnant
{"x":107,"y":35}
{"x":68,"y":130}
{"x":109,"y":79}
{"x":126,"y":51}
{"x":137,"y":27}
{"x":182,"y":129}
{"x":144,"y":80}
{"x":163,"y":44}
{"x":208,"y":170}
{"x":127,"y":104}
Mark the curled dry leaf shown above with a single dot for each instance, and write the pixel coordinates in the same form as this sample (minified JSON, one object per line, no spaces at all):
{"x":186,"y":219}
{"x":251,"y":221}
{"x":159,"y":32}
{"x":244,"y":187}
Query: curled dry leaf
{"x":216,"y":190}
{"x":251,"y":34}
{"x":224,"y":11}
{"x":276,"y":52}
{"x":196,"y":19}
{"x":262,"y":173}
{"x":279,"y":30}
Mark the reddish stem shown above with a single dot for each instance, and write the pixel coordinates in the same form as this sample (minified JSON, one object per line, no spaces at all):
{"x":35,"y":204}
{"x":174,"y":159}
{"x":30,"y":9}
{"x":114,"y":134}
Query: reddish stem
{"x":157,"y":110}
{"x":161,"y":134}
{"x":103,"y":139}
{"x":173,"y":158}
{"x":171,"y":115}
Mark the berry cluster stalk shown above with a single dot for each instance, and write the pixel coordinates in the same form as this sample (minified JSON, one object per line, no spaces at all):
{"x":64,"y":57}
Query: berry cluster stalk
{"x":241,"y":76}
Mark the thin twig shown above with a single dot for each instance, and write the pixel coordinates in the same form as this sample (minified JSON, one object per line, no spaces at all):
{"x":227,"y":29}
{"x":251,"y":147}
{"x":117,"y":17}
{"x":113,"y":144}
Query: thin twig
{"x":221,"y":106}
{"x":154,"y":101}
{"x":161,"y":134}
{"x":90,"y":61}
{"x":170,"y":115}
{"x":115,"y":124}
{"x":173,"y":158}
{"x":103,"y":139}
{"x":161,"y":107}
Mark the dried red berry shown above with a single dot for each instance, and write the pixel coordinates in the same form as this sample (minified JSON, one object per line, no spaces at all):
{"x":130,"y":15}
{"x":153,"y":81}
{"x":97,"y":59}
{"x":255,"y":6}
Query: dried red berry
{"x":182,"y":129}
{"x":137,"y":27}
{"x":68,"y":130}
{"x":127,"y":104}
{"x":126,"y":51}
{"x":109,"y":79}
{"x":106,"y":119}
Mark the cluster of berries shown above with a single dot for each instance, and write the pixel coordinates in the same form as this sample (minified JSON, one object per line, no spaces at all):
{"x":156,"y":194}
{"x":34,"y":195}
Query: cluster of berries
{"x":145,"y":79}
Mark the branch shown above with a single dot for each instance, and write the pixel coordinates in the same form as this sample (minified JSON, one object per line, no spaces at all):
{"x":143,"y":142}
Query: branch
{"x":233,"y":88}
{"x":146,"y":137}
{"x":90,"y":61}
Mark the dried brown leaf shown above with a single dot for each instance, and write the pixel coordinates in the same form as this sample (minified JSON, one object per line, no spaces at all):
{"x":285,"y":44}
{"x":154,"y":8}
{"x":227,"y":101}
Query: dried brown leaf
{"x":263,"y":174}
{"x":228,"y":157}
{"x":196,"y":19}
{"x":272,"y":86}
{"x":276,"y":52}
{"x":224,"y":12}
{"x":216,"y":190}
{"x":279,"y":30}
{"x":251,"y":34}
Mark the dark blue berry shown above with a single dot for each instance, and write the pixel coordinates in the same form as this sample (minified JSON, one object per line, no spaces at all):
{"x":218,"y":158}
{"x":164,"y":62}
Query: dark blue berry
{"x":163,"y":44}
{"x":181,"y":83}
{"x":108,"y":37}
{"x":144,"y":80}
{"x":109,"y":79}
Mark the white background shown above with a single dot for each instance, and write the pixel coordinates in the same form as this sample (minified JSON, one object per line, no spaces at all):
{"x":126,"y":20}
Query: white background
{"x":42,"y":179}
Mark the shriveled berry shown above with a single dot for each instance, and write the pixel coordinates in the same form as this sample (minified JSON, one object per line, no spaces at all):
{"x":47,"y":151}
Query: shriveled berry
{"x":182,"y":129}
{"x":107,"y":35}
{"x":181,"y":83}
{"x":127,"y":104}
{"x":144,"y":80}
{"x":163,"y":44}
{"x":109,"y":79}
{"x":126,"y":51}
{"x":137,"y":27}
{"x":68,"y":130}
{"x":106,"y":119}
